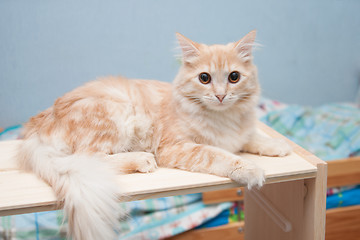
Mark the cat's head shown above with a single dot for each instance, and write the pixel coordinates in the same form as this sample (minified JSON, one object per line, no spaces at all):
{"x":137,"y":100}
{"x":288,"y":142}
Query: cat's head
{"x":217,"y":77}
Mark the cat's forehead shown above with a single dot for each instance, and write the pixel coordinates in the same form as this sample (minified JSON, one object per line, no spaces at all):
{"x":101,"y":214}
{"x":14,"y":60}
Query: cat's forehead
{"x":219,"y":58}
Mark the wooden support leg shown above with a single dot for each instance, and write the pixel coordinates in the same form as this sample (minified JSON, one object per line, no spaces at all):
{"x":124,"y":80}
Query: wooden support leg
{"x":310,"y":225}
{"x":288,"y":199}
{"x":301,"y":202}
{"x":315,"y":205}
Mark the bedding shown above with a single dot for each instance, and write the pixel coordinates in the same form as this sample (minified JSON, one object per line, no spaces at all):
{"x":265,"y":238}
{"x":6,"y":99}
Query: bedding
{"x":343,"y":197}
{"x":229,"y":215}
{"x":150,"y":219}
{"x":331,"y":132}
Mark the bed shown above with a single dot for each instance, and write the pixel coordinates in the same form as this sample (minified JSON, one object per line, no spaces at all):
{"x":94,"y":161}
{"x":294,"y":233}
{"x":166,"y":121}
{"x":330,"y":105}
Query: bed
{"x":218,"y":214}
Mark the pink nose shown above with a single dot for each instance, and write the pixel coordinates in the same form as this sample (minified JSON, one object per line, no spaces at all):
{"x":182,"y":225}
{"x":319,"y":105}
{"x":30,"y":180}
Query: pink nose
{"x":220,"y":97}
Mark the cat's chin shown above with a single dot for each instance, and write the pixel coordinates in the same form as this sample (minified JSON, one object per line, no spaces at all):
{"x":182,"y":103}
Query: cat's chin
{"x":219,"y":107}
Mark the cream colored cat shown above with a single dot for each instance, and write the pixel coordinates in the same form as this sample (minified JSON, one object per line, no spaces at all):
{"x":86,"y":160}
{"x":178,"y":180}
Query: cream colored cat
{"x":115,"y":125}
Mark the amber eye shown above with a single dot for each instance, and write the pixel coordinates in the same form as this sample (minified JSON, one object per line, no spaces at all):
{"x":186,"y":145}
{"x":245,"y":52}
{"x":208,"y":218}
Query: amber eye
{"x":234,"y":77}
{"x":204,"y":78}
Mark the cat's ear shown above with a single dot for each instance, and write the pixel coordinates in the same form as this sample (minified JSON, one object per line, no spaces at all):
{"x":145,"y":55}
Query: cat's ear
{"x":190,"y":49}
{"x":244,"y":46}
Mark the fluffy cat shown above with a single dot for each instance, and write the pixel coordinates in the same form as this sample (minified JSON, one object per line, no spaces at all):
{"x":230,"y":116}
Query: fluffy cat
{"x":115,"y":125}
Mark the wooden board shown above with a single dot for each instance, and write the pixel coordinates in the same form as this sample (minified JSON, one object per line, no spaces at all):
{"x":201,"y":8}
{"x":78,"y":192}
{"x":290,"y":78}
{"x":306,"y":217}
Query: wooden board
{"x":343,"y":223}
{"x":226,"y":195}
{"x":23,"y":192}
{"x":232,"y":231}
{"x":344,"y":172}
{"x":288,"y":199}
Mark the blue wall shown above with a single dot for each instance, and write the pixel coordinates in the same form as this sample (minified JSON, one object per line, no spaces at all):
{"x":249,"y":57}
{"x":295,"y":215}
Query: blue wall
{"x":310,"y":53}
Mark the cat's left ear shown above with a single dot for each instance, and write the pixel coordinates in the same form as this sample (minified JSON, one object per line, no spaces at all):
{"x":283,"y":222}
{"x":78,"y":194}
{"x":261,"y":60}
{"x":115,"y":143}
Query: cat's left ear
{"x":244,"y":46}
{"x":190,"y":49}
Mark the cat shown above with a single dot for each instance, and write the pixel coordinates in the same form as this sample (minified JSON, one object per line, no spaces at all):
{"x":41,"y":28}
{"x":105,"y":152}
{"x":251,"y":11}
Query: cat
{"x":116,"y":125}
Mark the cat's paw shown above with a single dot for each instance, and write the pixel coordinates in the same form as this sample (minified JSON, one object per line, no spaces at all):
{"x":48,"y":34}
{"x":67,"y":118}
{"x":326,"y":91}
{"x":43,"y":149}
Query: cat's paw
{"x":275,"y":148}
{"x":247,"y":172}
{"x":145,"y":162}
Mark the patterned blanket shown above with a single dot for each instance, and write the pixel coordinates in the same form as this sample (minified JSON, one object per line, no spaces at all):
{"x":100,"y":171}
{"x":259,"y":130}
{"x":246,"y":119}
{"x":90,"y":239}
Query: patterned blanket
{"x":331,"y":131}
{"x":150,"y":219}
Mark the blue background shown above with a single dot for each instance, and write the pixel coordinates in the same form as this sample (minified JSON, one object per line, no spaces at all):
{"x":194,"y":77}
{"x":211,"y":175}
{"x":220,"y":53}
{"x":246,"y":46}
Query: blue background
{"x":310,"y":53}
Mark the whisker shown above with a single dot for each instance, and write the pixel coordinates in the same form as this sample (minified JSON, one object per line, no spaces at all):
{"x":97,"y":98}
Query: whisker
{"x":193,"y":99}
{"x":244,"y":97}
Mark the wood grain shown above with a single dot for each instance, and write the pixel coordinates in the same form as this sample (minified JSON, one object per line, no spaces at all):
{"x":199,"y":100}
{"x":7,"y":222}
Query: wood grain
{"x":344,"y":172}
{"x":315,"y":205}
{"x":343,"y":223}
{"x":24,"y":192}
{"x":232,"y":231}
{"x":288,"y":199}
{"x":226,"y":195}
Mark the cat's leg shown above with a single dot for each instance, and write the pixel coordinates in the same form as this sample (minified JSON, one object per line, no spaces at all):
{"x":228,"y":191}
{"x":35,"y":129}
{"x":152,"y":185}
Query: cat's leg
{"x":129,"y":162}
{"x":208,"y":159}
{"x":266,"y":146}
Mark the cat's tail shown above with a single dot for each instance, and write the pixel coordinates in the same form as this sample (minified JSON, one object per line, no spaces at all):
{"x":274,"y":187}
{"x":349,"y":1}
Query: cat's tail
{"x":85,"y":185}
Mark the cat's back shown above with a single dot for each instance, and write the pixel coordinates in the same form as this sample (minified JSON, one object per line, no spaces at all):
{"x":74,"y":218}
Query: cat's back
{"x":117,"y":89}
{"x":106,"y":92}
{"x":111,"y":111}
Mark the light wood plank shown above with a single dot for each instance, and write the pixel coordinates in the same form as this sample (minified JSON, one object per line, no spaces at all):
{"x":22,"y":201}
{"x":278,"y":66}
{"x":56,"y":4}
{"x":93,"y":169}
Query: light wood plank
{"x":343,"y":223}
{"x":22,"y":192}
{"x":288,"y":199}
{"x":232,"y":231}
{"x":315,"y":205}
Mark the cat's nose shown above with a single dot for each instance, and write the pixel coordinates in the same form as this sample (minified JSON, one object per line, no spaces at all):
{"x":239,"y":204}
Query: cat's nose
{"x":220,"y":97}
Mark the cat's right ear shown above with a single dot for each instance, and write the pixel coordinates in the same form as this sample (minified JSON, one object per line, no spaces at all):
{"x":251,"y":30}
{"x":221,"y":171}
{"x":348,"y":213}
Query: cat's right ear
{"x":190,"y":49}
{"x":244,"y":46}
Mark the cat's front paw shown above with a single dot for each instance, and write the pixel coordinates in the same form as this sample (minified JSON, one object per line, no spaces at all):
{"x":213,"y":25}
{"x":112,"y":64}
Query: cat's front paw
{"x":146,"y":162}
{"x":275,"y":148}
{"x":247,"y":172}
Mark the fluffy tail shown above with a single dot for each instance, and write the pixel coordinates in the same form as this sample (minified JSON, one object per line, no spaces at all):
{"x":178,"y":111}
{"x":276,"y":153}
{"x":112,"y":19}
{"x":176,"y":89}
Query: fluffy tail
{"x":85,"y":184}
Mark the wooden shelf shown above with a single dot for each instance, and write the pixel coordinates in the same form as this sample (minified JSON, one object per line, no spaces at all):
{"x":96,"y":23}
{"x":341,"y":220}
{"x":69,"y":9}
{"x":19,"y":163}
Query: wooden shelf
{"x":23,"y":192}
{"x":286,"y":180}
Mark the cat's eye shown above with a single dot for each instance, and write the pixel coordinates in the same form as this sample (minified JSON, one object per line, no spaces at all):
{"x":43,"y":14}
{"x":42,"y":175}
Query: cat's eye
{"x":204,"y":78}
{"x":234,"y":77}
